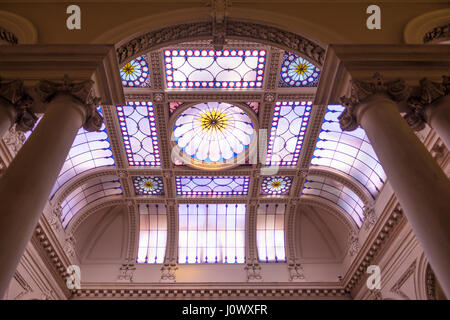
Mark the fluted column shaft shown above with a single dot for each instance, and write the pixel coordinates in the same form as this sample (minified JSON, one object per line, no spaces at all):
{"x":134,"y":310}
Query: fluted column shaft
{"x":438,"y":117}
{"x":27,"y":183}
{"x":420,"y":185}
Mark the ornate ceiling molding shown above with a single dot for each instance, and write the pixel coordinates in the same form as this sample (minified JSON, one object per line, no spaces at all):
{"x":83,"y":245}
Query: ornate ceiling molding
{"x":427,"y":27}
{"x":202,"y":291}
{"x":18,"y":30}
{"x":235,"y":29}
{"x":370,"y":250}
{"x":437,"y":33}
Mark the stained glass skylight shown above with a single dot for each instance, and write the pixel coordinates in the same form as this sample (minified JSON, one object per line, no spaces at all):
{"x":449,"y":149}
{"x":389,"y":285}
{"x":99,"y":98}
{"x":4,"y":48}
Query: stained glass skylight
{"x":211,"y":233}
{"x":92,"y":190}
{"x":348,"y":151}
{"x":289,"y":123}
{"x":270,"y":232}
{"x":148,"y":185}
{"x":213,"y":131}
{"x":140,"y":137}
{"x":337,"y":193}
{"x":152,"y":233}
{"x":214,"y":68}
{"x":276,"y":185}
{"x":298,"y":72}
{"x":203,"y":186}
{"x":89,"y":150}
{"x":136,"y":73}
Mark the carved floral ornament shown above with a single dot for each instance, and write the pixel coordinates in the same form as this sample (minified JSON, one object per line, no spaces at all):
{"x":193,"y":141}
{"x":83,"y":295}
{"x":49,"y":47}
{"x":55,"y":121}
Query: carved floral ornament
{"x":417,"y":99}
{"x":82,"y":91}
{"x":8,"y":36}
{"x":440,"y":32}
{"x":217,"y":31}
{"x":428,"y":93}
{"x":13,"y":92}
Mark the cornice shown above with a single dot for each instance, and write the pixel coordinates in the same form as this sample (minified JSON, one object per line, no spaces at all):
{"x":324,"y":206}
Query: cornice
{"x":235,"y":29}
{"x":213,"y":291}
{"x":381,"y":234}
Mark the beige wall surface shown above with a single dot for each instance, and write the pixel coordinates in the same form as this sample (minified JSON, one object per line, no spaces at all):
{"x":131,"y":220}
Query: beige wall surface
{"x":325,"y":21}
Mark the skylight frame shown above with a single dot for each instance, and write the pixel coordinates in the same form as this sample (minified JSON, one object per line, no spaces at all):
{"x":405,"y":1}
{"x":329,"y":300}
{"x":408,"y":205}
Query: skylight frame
{"x":125,"y":121}
{"x":186,"y":188}
{"x":276,"y":133}
{"x":214,"y":83}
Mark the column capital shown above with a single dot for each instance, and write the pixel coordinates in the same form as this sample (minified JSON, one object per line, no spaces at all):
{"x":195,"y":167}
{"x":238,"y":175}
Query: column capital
{"x":362,"y":91}
{"x":13,"y":93}
{"x":428,"y":93}
{"x":82,"y":91}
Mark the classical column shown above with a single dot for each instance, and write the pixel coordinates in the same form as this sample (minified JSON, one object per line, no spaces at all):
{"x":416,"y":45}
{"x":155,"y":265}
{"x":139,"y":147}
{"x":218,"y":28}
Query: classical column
{"x":431,"y":105}
{"x":420,"y":185}
{"x":27,"y":183}
{"x":15,"y":107}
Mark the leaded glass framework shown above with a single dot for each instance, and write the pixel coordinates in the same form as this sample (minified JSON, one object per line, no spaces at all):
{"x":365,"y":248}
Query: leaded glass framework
{"x":89,"y":150}
{"x":139,"y":133}
{"x":337,"y":193}
{"x":213,"y":132}
{"x":148,"y":185}
{"x":209,"y":186}
{"x":298,"y":72}
{"x":92,"y":190}
{"x":136,"y":73}
{"x":276,"y":185}
{"x":214,"y":68}
{"x":289,"y":123}
{"x":270,"y":232}
{"x":348,"y":151}
{"x":211,"y":233}
{"x":152,"y":233}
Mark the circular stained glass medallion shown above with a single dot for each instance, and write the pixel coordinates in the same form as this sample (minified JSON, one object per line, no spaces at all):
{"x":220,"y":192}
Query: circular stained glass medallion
{"x":213,"y":132}
{"x":276,"y":185}
{"x":135,"y":73}
{"x":298,"y":72}
{"x":148,"y":185}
